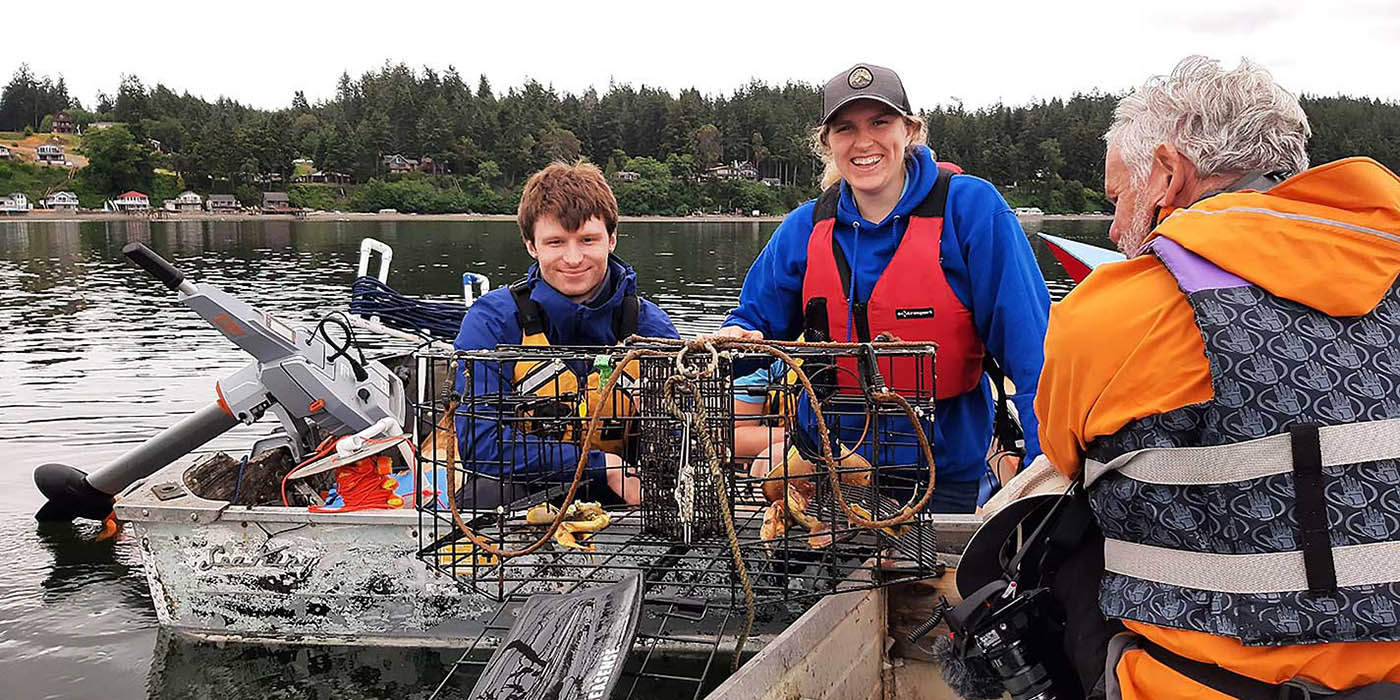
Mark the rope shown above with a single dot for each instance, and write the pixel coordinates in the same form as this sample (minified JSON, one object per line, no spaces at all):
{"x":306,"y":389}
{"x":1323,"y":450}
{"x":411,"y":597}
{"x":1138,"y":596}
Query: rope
{"x":697,"y":420}
{"x":369,"y":297}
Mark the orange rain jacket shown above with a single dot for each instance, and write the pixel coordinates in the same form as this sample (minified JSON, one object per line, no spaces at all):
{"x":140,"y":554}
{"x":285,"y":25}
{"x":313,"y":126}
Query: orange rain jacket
{"x":1124,"y":345}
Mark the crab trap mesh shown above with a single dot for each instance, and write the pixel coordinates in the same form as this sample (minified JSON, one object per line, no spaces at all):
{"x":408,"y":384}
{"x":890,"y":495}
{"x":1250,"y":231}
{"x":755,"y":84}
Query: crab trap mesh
{"x":697,"y":453}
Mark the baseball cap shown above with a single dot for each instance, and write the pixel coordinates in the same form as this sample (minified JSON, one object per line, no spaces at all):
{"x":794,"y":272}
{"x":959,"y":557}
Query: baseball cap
{"x":864,"y":81}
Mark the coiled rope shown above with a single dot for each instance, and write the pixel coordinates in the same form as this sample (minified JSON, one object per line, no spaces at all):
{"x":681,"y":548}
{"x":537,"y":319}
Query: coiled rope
{"x":369,"y":297}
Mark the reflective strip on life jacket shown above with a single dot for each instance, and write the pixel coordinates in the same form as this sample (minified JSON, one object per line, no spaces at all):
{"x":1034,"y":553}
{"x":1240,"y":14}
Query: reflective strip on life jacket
{"x":911,"y":301}
{"x":1349,"y":443}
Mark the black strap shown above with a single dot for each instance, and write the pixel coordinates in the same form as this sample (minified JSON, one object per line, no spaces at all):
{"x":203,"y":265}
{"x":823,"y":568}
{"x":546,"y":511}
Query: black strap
{"x":1225,"y":681}
{"x":936,"y":203}
{"x":826,"y":204}
{"x":530,"y":315}
{"x":1312,"y":509}
{"x":625,"y":318}
{"x":816,"y":327}
{"x":843,"y":268}
{"x":860,"y":314}
{"x":1008,"y":432}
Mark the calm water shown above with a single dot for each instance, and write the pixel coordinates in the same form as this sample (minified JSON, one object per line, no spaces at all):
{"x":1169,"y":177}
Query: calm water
{"x":96,"y":356}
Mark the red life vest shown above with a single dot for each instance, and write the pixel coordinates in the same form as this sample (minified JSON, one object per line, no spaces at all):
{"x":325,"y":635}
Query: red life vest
{"x":911,"y":300}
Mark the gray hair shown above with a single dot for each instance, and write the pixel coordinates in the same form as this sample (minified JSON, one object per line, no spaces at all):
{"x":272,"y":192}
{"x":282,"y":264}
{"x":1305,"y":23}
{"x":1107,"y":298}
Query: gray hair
{"x":1233,"y":121}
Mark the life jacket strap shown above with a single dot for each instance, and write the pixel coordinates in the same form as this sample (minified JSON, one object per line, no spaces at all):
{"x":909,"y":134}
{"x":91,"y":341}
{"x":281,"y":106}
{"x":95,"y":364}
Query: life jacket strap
{"x":626,"y":318}
{"x":1230,"y":683}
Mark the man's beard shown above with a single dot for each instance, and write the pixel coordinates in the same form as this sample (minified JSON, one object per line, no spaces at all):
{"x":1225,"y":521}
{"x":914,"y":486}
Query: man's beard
{"x":1130,"y":241}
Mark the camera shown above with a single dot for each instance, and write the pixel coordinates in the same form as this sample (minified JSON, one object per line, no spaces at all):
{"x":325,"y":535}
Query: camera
{"x":1004,"y":640}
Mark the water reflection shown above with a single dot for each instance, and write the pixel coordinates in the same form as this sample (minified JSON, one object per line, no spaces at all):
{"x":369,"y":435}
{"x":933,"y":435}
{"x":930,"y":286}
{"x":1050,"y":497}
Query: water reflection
{"x":188,"y":670}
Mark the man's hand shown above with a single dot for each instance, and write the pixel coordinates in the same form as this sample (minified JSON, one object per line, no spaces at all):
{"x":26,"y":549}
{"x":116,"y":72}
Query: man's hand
{"x":626,"y":486}
{"x":739,"y":332}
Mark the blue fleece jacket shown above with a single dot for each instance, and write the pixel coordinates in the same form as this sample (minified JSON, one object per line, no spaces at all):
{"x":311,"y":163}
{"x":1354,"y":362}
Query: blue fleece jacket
{"x":496,"y":449}
{"x":989,"y":265}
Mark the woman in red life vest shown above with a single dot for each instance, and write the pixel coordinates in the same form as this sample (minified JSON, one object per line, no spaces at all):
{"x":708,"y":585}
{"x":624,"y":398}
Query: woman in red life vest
{"x":900,"y":244}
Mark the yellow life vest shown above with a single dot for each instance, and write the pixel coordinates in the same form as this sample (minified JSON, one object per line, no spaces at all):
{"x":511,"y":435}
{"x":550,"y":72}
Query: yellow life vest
{"x":556,"y":380}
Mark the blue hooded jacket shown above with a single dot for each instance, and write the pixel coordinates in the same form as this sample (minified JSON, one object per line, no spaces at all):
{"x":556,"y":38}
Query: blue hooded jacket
{"x":495,"y":449}
{"x":989,"y":265}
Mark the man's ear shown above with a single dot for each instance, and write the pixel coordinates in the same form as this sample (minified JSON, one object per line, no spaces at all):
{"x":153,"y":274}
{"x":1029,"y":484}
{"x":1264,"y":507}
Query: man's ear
{"x":612,"y":241}
{"x":530,"y":248}
{"x":1180,"y":174}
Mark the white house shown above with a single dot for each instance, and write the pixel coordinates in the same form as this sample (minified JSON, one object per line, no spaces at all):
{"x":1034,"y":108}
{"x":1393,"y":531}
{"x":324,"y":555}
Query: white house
{"x":132,"y":201}
{"x":62,"y":201}
{"x":14,"y":203}
{"x":49,"y":153}
{"x":186,"y":201}
{"x":735,"y":170}
{"x":5,"y":152}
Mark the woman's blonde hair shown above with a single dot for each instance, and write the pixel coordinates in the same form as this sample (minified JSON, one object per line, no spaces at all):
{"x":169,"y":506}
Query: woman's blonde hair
{"x":830,"y":175}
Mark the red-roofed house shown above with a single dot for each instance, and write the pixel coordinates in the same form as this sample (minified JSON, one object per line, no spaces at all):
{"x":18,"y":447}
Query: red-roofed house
{"x":132,"y":201}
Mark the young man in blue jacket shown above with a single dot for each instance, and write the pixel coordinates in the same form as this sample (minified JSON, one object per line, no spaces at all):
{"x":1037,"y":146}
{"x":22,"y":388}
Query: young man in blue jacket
{"x":576,"y":293}
{"x":897,"y":244}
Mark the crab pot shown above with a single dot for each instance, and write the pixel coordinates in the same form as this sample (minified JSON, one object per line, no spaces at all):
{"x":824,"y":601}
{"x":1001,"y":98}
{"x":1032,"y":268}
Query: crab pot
{"x":518,"y":443}
{"x":679,"y":498}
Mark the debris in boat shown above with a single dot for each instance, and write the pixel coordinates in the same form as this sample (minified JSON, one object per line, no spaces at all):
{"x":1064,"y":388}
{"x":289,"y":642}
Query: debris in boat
{"x":255,"y":482}
{"x":464,"y":553}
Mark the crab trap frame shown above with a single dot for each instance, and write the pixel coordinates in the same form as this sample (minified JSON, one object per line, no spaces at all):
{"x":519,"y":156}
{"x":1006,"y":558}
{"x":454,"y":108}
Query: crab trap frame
{"x":729,"y":474}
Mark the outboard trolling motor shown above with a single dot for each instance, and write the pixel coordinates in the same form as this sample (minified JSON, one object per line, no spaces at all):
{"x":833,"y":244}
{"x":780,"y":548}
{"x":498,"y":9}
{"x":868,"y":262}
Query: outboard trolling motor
{"x":305,"y":379}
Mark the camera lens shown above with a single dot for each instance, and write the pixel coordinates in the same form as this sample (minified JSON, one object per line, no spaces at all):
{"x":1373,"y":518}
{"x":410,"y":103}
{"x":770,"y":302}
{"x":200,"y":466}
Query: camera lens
{"x":1022,"y":677}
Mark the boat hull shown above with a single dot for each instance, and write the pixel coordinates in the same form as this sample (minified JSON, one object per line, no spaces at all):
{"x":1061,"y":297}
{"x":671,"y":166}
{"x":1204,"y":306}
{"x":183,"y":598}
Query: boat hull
{"x":266,"y":574}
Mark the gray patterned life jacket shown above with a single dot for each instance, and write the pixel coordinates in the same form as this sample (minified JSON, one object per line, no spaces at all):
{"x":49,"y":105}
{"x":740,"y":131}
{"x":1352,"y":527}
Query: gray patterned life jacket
{"x":1270,"y":513}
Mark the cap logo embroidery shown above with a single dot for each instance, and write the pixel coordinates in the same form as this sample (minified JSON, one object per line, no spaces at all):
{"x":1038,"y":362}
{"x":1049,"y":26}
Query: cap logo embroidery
{"x":859,"y":78}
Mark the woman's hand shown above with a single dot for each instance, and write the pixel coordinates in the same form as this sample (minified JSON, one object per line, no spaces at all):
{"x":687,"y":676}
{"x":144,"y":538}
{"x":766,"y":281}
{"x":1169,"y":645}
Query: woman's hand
{"x":739,"y":332}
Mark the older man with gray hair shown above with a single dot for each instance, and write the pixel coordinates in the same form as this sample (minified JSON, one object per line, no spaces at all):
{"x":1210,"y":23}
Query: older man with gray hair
{"x":1229,"y":400}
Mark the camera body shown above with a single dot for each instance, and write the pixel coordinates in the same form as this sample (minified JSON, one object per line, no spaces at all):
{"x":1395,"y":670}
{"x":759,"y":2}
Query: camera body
{"x":1006,"y":639}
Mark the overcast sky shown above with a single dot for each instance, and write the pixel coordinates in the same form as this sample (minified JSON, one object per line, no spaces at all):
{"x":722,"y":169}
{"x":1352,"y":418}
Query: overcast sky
{"x":976,"y":51}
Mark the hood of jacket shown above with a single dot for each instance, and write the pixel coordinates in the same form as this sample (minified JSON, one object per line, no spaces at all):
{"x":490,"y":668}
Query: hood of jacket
{"x":1328,"y":238}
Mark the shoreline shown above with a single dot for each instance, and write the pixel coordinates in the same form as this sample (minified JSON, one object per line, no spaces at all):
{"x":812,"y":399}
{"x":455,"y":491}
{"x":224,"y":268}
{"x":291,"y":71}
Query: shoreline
{"x":62,"y":216}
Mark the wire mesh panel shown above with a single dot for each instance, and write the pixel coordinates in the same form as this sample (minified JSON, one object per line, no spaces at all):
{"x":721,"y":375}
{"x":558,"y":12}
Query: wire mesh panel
{"x":678,"y":415}
{"x":802,"y":518}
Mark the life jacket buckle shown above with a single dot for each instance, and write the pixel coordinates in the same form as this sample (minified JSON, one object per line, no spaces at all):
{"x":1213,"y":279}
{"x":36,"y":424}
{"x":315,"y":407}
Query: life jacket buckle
{"x":1299,"y":690}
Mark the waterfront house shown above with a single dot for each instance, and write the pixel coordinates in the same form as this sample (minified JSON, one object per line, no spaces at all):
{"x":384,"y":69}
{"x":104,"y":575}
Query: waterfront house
{"x":275,"y":202}
{"x":132,"y":201}
{"x":187,"y":201}
{"x":14,"y":203}
{"x":63,"y":124}
{"x":396,"y":163}
{"x":324,"y":176}
{"x":49,"y":153}
{"x":62,"y":201}
{"x":224,"y":204}
{"x":735,"y":170}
